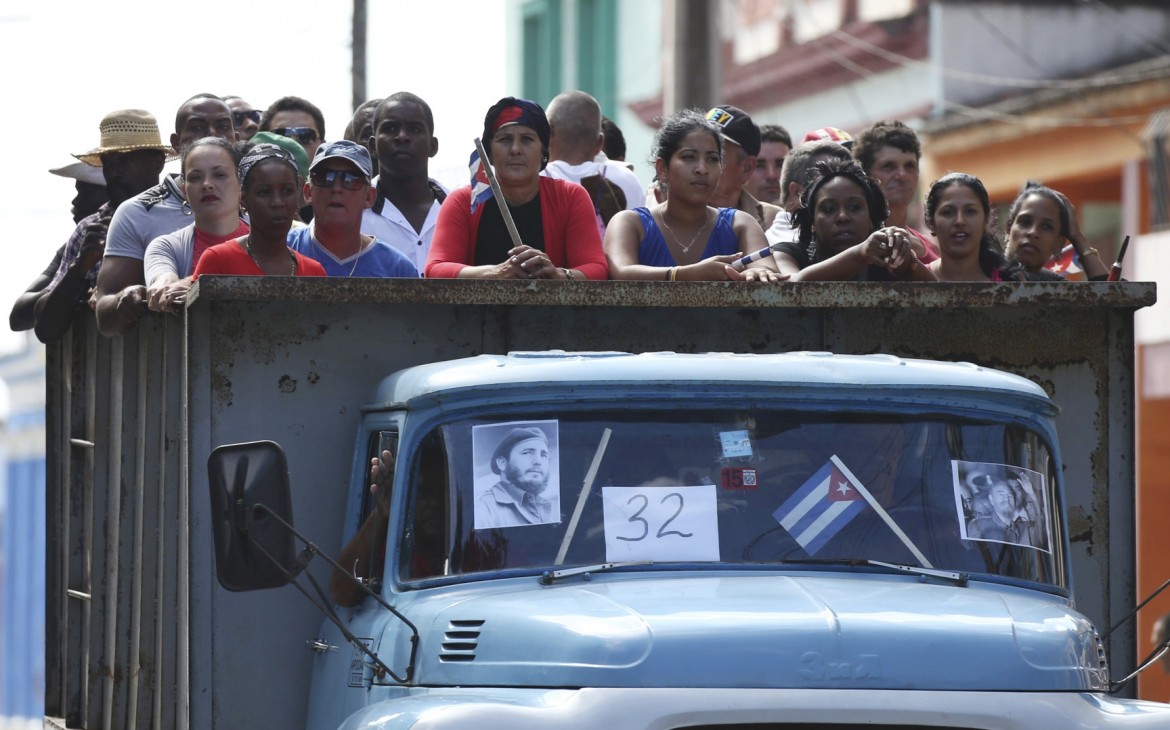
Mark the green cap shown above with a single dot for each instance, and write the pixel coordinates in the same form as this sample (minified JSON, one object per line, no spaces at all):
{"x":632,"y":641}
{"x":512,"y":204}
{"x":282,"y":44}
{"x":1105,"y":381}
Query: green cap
{"x":289,"y":144}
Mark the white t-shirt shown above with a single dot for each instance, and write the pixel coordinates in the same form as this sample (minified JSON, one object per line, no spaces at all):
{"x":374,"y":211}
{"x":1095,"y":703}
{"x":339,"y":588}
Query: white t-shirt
{"x":781,"y":230}
{"x":615,"y":172}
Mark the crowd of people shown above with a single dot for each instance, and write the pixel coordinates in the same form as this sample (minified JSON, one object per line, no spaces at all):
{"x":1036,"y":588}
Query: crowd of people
{"x":263,"y":193}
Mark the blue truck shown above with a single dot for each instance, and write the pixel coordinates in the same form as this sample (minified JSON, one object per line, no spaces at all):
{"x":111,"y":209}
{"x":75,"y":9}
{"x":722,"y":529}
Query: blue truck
{"x":715,"y":540}
{"x":667,"y":507}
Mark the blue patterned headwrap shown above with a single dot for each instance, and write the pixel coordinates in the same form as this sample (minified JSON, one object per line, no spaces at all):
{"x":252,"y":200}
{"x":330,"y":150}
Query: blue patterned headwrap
{"x":263,"y":152}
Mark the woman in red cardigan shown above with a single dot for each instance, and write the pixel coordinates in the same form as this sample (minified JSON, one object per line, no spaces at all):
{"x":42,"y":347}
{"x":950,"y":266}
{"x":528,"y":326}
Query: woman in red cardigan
{"x":555,"y":219}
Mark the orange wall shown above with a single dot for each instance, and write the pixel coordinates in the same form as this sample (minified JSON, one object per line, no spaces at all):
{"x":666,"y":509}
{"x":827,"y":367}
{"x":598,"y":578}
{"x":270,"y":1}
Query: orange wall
{"x":1058,"y":155}
{"x":1004,"y":155}
{"x":1153,"y":509}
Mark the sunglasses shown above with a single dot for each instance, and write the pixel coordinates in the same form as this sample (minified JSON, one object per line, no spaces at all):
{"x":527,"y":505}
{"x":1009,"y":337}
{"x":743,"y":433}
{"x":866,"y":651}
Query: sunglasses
{"x":252,"y":115}
{"x":326,"y":178}
{"x":304,"y":135}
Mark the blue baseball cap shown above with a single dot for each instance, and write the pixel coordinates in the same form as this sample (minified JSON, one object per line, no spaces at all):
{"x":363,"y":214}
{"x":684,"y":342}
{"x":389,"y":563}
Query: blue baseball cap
{"x":346,"y":150}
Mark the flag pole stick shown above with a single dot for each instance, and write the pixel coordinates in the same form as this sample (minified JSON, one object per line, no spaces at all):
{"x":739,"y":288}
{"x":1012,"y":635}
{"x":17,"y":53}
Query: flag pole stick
{"x":582,"y":495}
{"x":882,"y":513}
{"x":503,"y":204}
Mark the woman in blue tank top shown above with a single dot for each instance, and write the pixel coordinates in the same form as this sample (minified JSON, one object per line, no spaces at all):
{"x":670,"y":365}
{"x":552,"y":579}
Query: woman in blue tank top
{"x":684,"y":239}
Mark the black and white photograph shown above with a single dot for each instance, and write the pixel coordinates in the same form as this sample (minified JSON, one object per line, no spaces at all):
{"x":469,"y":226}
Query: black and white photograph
{"x":1001,"y":503}
{"x":517,"y":474}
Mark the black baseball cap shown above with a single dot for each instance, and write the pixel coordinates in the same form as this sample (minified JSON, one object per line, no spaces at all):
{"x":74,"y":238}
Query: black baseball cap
{"x":736,"y":126}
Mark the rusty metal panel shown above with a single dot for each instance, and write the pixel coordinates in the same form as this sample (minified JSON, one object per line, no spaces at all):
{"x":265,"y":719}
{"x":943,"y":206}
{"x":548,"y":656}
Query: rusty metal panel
{"x":294,"y":361}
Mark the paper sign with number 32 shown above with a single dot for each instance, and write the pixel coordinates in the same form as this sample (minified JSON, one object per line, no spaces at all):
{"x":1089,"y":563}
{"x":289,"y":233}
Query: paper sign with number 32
{"x":661,"y":524}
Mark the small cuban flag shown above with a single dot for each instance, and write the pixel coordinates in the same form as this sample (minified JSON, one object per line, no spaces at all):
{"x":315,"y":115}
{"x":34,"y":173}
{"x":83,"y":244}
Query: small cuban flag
{"x":481,"y":188}
{"x":822,"y":506}
{"x":1067,"y":264}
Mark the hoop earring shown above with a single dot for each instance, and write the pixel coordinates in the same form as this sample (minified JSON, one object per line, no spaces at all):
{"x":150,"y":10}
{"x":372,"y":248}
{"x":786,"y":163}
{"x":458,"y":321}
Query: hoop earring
{"x":185,"y":208}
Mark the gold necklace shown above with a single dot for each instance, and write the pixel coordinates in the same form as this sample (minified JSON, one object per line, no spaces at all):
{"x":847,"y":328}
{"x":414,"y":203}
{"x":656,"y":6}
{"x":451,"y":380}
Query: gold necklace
{"x":677,"y":240}
{"x":248,"y":248}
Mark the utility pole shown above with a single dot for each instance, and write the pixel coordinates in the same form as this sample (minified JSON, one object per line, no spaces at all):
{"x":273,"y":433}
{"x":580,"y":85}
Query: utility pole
{"x":696,"y":69}
{"x":360,"y":15}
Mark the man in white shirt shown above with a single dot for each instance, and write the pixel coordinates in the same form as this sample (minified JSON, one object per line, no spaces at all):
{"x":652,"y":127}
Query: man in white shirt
{"x":574,"y":118}
{"x":407,"y":204}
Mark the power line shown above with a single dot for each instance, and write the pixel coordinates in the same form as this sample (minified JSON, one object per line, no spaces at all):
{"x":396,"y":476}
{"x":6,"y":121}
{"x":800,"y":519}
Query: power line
{"x":1150,"y":41}
{"x":839,"y":58}
{"x":1006,"y":40}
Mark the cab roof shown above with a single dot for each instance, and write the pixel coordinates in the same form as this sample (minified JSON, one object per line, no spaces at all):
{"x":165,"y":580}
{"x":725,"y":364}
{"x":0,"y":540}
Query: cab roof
{"x":796,"y":368}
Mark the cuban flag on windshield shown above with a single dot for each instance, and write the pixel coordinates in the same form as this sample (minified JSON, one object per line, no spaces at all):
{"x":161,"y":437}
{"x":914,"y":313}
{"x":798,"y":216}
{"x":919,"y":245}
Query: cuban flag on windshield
{"x":822,"y":506}
{"x":481,"y":189}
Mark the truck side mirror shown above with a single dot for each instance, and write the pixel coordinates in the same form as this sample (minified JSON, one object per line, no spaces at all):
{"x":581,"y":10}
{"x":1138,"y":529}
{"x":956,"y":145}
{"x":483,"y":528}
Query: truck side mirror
{"x":251,"y":516}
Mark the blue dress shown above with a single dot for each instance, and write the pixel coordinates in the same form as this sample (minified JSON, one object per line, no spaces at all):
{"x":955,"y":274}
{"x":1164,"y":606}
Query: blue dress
{"x":653,"y":251}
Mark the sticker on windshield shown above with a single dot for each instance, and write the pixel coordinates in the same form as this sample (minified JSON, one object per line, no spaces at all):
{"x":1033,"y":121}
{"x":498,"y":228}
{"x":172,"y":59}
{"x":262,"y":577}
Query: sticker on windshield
{"x":733,"y":478}
{"x":822,"y":506}
{"x":517,"y":474}
{"x":1001,"y":503}
{"x":735,"y":444}
{"x":661,"y":524}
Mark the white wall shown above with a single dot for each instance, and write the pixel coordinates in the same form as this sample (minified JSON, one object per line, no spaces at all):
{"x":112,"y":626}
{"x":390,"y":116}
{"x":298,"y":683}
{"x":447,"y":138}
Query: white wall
{"x":1148,"y":259}
{"x":888,"y":95}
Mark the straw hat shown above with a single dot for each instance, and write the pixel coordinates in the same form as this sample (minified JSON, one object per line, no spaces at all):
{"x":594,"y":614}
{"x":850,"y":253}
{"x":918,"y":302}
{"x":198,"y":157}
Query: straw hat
{"x":127,"y":130}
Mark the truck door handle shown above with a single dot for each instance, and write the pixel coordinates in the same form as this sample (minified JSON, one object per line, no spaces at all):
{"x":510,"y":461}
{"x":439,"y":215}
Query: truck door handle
{"x":320,"y":646}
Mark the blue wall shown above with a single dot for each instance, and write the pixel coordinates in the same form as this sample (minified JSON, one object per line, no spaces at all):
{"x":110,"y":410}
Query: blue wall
{"x":22,"y":534}
{"x":22,"y":589}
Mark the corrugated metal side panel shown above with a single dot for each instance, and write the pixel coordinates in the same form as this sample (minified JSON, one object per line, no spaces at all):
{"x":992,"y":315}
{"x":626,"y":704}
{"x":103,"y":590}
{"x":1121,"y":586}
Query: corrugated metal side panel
{"x":112,"y":599}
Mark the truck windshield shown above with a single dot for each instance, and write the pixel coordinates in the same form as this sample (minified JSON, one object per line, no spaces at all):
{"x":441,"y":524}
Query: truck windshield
{"x":732,"y":488}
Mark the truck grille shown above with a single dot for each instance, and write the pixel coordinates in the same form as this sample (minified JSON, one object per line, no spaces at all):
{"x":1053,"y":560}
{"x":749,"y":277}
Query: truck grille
{"x":460,"y":641}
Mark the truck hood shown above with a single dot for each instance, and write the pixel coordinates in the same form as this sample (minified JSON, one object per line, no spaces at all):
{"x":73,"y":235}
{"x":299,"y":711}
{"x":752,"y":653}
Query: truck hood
{"x":769,"y":631}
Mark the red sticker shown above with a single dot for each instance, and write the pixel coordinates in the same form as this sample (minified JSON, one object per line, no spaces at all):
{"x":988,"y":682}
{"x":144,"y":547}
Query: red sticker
{"x":734,"y":478}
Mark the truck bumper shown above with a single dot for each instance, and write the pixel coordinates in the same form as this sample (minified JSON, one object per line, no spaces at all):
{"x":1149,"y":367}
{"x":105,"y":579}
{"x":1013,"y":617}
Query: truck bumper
{"x":665,"y":709}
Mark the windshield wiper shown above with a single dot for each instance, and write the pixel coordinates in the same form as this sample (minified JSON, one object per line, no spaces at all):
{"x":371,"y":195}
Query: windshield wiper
{"x":960,"y":579}
{"x":548,"y":577}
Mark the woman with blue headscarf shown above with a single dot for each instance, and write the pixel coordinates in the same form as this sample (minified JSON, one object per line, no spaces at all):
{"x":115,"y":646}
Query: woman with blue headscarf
{"x":555,"y":219}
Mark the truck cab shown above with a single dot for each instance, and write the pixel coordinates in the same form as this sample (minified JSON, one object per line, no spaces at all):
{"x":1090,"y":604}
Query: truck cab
{"x":715,"y":540}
